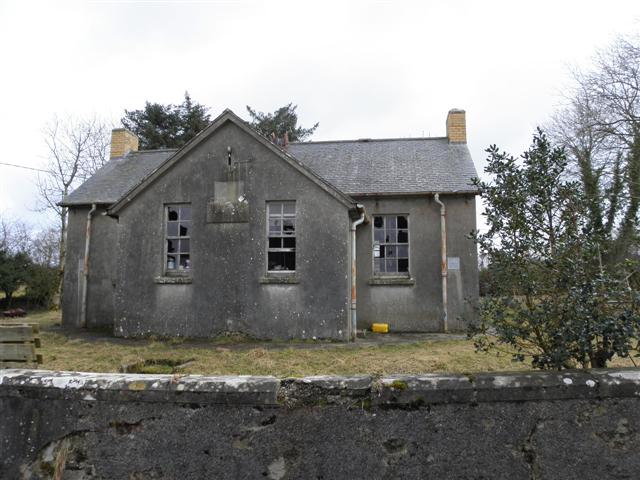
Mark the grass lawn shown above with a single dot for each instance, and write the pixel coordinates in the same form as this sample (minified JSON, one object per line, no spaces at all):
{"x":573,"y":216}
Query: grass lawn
{"x":72,"y":352}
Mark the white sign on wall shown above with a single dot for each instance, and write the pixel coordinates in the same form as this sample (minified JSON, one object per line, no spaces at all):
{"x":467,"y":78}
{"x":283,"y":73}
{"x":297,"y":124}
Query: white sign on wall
{"x":453,"y":263}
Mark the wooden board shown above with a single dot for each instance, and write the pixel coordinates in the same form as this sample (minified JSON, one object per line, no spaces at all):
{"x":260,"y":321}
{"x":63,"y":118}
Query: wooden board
{"x":16,"y":333}
{"x":18,"y":352}
{"x":13,"y":322}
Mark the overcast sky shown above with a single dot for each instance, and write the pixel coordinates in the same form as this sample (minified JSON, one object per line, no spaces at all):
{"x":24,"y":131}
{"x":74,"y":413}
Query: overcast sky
{"x":361,"y":69}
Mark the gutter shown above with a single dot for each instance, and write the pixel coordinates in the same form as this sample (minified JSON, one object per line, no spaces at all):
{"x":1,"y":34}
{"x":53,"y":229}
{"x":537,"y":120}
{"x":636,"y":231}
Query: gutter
{"x":443,"y":261}
{"x":354,"y":225}
{"x":85,"y":269}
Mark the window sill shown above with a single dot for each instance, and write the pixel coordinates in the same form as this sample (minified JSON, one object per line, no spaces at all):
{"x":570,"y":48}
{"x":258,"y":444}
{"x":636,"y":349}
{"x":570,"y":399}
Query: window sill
{"x":287,"y":279}
{"x":407,"y":281}
{"x":175,"y":280}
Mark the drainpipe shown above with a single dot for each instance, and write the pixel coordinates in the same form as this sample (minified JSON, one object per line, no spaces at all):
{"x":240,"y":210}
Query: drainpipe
{"x":354,"y":225}
{"x":85,"y":269}
{"x":443,"y":260}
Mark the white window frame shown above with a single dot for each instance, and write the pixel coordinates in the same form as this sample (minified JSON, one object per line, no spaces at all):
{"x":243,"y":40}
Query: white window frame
{"x":282,"y":216}
{"x":177,"y":271}
{"x":375,"y":243}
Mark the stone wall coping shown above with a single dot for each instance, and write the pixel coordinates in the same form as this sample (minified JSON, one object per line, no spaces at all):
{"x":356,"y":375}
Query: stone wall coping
{"x":387,"y":391}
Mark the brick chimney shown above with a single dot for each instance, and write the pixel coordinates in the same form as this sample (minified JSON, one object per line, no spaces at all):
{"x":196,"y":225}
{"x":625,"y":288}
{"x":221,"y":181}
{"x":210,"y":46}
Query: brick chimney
{"x":122,"y":142}
{"x":456,"y":126}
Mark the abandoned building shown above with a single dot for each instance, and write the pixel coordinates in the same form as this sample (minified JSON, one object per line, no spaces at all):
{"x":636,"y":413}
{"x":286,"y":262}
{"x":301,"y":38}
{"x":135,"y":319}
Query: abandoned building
{"x":238,"y":233}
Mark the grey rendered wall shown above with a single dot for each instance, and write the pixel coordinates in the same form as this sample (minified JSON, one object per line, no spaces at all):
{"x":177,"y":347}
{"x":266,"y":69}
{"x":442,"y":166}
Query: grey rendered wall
{"x":418,"y":307}
{"x":102,"y":255}
{"x":569,"y":425}
{"x":228,"y":259}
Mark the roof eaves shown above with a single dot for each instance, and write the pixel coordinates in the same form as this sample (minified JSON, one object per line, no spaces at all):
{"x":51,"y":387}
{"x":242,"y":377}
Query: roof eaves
{"x":416,"y":193}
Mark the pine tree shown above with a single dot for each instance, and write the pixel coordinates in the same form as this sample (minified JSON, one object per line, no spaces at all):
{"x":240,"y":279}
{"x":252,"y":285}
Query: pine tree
{"x":283,"y":121}
{"x":166,"y":126}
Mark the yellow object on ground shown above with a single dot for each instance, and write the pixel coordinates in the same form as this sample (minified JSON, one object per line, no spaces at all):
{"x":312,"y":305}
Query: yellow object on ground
{"x":380,"y":328}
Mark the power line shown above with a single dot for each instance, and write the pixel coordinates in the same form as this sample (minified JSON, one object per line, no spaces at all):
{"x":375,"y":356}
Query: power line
{"x":26,"y":168}
{"x":82,"y":177}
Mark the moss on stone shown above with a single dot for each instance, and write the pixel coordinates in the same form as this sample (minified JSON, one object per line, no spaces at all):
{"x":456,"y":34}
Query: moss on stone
{"x":399,"y":385}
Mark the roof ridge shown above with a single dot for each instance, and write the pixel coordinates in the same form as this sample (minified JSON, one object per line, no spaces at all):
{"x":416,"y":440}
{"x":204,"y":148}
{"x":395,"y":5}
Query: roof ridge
{"x":369,"y":140}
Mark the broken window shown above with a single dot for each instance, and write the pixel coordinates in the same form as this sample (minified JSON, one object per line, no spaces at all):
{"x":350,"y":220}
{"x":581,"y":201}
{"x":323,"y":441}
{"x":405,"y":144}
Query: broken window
{"x":178,"y":238}
{"x":281,"y":236}
{"x":390,"y":244}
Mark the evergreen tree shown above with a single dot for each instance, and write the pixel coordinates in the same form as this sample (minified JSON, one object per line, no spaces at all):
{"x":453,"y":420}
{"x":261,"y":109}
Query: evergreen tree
{"x":283,"y":120}
{"x":166,"y":126}
{"x":553,"y":301}
{"x":14,"y":272}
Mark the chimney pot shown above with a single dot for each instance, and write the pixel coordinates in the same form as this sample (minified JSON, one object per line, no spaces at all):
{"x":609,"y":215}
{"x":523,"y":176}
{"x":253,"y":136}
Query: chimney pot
{"x":122,"y":142}
{"x":457,"y":126}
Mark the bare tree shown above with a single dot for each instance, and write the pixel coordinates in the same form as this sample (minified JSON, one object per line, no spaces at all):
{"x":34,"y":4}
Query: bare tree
{"x":44,"y":249}
{"x":76,"y":149}
{"x":15,"y":236}
{"x":600,"y":128}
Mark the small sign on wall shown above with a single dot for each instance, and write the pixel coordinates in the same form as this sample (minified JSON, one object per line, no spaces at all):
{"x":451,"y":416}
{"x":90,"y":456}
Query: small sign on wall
{"x":453,"y":263}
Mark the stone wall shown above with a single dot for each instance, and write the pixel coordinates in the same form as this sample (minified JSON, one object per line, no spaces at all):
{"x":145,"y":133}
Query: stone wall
{"x":541,"y":425}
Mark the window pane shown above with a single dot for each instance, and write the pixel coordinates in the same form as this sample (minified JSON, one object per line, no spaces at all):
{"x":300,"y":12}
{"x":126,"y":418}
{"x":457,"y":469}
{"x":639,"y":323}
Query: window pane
{"x":289,"y":226}
{"x":378,"y":222}
{"x":392,"y":265}
{"x":289,"y":260}
{"x":172,"y":229}
{"x":378,"y":265}
{"x":391,"y":222}
{"x":403,"y":265}
{"x":275,"y":208}
{"x":289,"y":208}
{"x":275,"y":225}
{"x":403,"y":251}
{"x":289,"y":242}
{"x":172,"y":213}
{"x":275,"y":242}
{"x":172,"y":246}
{"x":184,"y":229}
{"x":184,"y":245}
{"x":185,"y":263}
{"x":273,"y":261}
{"x":390,"y":236}
{"x":378,"y":235}
{"x":390,"y":251}
{"x":185,"y":213}
{"x":403,"y":236}
{"x":171,"y":262}
{"x":402,"y":222}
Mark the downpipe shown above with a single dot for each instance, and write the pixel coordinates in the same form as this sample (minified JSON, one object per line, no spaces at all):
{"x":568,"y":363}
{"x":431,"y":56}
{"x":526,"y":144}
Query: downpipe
{"x":354,"y":226}
{"x":85,"y":269}
{"x":444,"y":271}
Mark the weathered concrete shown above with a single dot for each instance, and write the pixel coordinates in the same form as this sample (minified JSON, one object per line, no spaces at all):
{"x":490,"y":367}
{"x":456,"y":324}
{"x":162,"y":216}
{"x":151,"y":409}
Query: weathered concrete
{"x":228,"y":259}
{"x":560,"y":425}
{"x":102,"y":280}
{"x":416,"y":305}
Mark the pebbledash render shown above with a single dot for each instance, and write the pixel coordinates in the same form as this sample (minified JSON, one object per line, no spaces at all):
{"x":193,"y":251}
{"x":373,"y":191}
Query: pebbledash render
{"x":235,"y":232}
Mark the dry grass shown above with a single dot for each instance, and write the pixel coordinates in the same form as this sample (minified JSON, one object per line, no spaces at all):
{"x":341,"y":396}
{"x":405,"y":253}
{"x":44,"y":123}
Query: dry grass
{"x":62,"y":352}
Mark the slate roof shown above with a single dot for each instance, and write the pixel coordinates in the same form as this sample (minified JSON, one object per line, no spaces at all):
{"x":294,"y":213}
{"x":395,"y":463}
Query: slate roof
{"x":117,"y":177}
{"x":357,"y":167}
{"x":403,"y":165}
